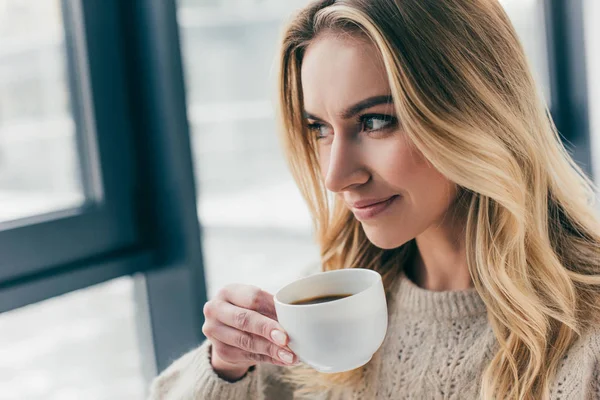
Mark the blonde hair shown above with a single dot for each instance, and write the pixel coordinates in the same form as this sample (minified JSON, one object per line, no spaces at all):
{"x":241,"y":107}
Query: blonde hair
{"x":467,"y":100}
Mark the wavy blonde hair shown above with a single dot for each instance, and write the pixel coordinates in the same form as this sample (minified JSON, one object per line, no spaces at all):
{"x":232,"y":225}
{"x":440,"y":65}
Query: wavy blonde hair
{"x":463,"y":90}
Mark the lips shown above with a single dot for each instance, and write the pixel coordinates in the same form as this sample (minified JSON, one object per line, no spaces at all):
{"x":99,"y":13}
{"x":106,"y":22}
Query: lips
{"x":369,"y":202}
{"x":370,"y":208}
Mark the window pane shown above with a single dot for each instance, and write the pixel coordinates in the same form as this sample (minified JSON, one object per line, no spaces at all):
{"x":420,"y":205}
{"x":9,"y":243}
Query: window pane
{"x":256,"y":228}
{"x":529,"y":21}
{"x":39,"y":165}
{"x":81,"y":345}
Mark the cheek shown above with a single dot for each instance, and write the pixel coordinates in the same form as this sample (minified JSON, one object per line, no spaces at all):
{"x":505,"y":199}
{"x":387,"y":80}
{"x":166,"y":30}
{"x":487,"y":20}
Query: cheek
{"x":427,"y":184}
{"x":427,"y":192}
{"x":398,"y":164}
{"x":431,"y":194}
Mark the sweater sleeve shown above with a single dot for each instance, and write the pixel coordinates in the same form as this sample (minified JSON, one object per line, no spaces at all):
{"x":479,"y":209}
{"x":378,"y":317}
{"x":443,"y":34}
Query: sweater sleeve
{"x":192,"y":377}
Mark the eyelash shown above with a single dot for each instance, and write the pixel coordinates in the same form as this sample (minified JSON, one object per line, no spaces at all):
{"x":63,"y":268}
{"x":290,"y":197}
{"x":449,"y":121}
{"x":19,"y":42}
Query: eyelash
{"x":361,"y":120}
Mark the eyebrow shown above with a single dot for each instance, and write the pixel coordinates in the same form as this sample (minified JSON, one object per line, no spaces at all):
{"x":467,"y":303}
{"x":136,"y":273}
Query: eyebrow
{"x":358,"y":107}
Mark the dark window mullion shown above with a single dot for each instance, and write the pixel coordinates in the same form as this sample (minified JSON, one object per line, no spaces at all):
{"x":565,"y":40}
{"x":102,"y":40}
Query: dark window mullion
{"x":174,"y":293}
{"x":568,"y":76}
{"x":112,"y":125}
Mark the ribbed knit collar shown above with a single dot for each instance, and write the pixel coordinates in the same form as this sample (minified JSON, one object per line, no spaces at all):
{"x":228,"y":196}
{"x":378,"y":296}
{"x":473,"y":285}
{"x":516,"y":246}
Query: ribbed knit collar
{"x":444,"y":305}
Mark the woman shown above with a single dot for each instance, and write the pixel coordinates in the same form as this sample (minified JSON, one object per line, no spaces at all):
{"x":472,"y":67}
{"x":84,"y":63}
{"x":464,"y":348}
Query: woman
{"x":423,"y":119}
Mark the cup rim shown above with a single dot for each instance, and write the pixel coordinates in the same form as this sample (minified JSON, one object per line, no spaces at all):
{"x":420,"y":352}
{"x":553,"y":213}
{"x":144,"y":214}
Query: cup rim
{"x":343,"y":270}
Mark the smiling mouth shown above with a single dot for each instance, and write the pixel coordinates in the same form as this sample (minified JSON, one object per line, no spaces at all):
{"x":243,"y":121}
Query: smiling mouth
{"x":372,"y":210}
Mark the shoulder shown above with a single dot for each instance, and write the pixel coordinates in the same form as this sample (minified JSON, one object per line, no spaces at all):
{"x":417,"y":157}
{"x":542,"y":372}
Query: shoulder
{"x":585,"y":352}
{"x":587,"y":347}
{"x":579,"y":370}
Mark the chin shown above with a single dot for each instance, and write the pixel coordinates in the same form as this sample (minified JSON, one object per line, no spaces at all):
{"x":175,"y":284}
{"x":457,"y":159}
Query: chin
{"x":384,"y":239}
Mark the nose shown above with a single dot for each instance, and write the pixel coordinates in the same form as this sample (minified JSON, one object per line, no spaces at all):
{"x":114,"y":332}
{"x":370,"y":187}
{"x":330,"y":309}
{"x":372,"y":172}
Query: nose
{"x":344,"y":168}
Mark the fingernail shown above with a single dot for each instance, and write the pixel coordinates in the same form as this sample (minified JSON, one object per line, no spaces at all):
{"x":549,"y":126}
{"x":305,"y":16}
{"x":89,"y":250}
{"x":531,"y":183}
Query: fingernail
{"x":279,"y":337}
{"x":286,"y":357}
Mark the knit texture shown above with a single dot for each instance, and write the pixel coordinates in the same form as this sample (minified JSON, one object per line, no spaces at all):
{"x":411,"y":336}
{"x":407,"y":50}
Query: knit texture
{"x":437,"y":346}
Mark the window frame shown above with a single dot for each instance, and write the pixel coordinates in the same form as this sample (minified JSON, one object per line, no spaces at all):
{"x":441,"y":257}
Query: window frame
{"x":106,"y":221}
{"x":147,"y":225}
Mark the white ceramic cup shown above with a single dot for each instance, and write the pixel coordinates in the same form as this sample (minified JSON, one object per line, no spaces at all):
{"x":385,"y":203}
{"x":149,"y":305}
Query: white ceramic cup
{"x":338,"y":335}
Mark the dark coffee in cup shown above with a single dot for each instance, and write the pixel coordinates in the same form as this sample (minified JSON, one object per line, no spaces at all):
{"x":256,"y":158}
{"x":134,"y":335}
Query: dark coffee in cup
{"x":320,"y":299}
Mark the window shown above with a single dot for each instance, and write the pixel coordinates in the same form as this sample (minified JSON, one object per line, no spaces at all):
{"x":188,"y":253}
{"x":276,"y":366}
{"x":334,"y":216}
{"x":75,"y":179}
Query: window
{"x":528,"y":18}
{"x":82,"y":345}
{"x":94,"y":198}
{"x":65,"y":186}
{"x":39,"y":162}
{"x":66,"y":203}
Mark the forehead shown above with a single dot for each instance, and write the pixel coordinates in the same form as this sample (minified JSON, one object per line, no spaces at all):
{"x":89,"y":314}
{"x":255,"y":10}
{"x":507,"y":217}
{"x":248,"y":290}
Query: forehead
{"x":337,"y":72}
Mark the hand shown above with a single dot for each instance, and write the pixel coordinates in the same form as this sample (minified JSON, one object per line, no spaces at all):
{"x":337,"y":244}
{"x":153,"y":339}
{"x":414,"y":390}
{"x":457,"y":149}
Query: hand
{"x":242,"y":326}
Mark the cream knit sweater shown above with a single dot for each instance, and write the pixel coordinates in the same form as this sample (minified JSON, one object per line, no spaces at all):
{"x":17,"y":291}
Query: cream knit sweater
{"x":437,"y":346}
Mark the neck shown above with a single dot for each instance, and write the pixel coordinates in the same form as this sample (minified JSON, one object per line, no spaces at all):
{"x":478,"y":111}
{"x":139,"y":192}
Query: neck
{"x":439,"y":273}
{"x":440,"y":262}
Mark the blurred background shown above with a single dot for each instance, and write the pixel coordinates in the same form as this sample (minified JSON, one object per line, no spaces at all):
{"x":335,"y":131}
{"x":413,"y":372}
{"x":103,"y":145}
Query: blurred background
{"x":140,"y":172}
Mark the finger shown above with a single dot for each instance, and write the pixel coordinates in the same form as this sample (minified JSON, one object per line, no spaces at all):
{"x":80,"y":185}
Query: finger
{"x":251,"y":322}
{"x":249,"y":342}
{"x":234,"y":355}
{"x":245,"y":320}
{"x":250,"y":297}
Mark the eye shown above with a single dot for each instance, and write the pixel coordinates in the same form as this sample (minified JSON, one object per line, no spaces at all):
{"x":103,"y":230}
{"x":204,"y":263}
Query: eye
{"x":320,"y":131}
{"x":376,"y":122}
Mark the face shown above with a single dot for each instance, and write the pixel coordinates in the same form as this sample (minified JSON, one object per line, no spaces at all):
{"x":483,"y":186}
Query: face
{"x":365,"y":156}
